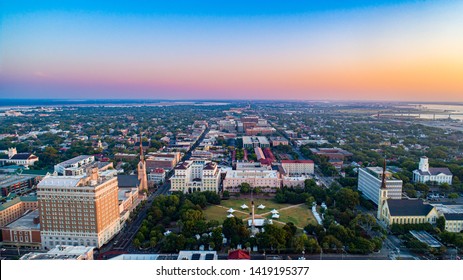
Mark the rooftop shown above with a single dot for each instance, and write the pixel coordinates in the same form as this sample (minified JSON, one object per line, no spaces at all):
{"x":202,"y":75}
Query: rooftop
{"x":252,"y":173}
{"x":62,"y":181}
{"x":408,"y":207}
{"x":453,"y":216}
{"x":8,"y":180}
{"x":62,"y":252}
{"x":128,"y":181}
{"x":197,"y":255}
{"x":433,"y":171}
{"x":28,"y":221}
{"x":12,"y":202}
{"x":76,"y":160}
{"x":297,"y":161}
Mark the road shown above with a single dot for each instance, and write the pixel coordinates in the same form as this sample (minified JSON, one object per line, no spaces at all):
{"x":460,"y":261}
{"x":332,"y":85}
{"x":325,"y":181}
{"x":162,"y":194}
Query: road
{"x":123,"y":241}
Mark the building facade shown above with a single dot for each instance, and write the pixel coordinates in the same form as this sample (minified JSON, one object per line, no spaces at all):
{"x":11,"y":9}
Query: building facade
{"x":255,"y":141}
{"x":17,"y":184}
{"x":453,"y":222}
{"x":15,"y":208}
{"x":196,"y":175}
{"x":162,"y":160}
{"x":78,"y":210}
{"x":276,"y":141}
{"x":369,"y":183}
{"x":298,"y":167}
{"x":25,"y":159}
{"x":24,"y":232}
{"x":74,"y":166}
{"x":424,"y":173}
{"x":408,"y":211}
{"x":157,"y":176}
{"x":267,"y":180}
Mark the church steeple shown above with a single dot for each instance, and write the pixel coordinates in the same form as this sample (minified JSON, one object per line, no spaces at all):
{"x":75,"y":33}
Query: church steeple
{"x":383,"y":182}
{"x":142,"y":157}
{"x":142,"y":169}
{"x":382,"y":193}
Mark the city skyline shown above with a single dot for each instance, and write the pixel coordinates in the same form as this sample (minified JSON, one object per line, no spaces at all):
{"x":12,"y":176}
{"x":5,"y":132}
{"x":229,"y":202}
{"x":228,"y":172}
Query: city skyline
{"x":347,"y":50}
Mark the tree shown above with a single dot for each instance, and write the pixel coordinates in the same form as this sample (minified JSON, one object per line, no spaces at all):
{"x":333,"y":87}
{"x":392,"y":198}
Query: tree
{"x":346,"y":199}
{"x":445,"y":188}
{"x":136,"y":242}
{"x":310,"y":201}
{"x":245,"y":188}
{"x":290,"y":229}
{"x":273,"y":237}
{"x":440,"y":223}
{"x":217,"y":238}
{"x":453,"y":196}
{"x":173,"y":243}
{"x":234,"y":229}
{"x":331,"y":243}
{"x":364,"y":221}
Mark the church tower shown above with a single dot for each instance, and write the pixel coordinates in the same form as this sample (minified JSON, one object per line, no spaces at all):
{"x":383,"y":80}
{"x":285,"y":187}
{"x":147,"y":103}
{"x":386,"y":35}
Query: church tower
{"x":382,"y":193}
{"x":142,"y":170}
{"x":424,"y":164}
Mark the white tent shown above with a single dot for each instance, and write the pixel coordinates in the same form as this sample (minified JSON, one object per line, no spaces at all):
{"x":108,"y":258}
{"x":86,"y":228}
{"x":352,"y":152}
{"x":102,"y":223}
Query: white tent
{"x":167,"y":233}
{"x":244,"y":206}
{"x":230,"y":216}
{"x":231,"y":210}
{"x":261,"y":207}
{"x":275,"y":216}
{"x":274,"y":211}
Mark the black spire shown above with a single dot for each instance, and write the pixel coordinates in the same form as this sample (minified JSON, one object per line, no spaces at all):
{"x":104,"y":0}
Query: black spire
{"x":383,"y":183}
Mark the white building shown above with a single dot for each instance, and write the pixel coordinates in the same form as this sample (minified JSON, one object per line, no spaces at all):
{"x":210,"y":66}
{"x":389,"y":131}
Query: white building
{"x":298,"y":167}
{"x":196,"y":175}
{"x":74,"y":166}
{"x":294,"y":181}
{"x":424,"y":173}
{"x":157,"y":176}
{"x":453,"y":222}
{"x":369,"y":183}
{"x":61,"y":252}
{"x":25,"y":159}
{"x":252,"y":166}
{"x":255,"y":141}
{"x":268,"y":180}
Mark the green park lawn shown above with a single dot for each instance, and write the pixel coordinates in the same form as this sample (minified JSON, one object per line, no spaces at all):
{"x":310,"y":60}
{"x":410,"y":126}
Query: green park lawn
{"x":214,"y":212}
{"x":268,"y":203}
{"x":299,"y":215}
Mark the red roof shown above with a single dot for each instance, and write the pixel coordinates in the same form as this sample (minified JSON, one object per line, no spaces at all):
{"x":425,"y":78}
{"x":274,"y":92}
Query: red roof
{"x":239,"y":255}
{"x":159,"y":170}
{"x":297,"y":161}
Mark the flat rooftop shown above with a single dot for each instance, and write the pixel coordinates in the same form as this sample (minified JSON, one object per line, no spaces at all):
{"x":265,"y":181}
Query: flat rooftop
{"x":252,"y":174}
{"x":8,"y":180}
{"x":62,"y":181}
{"x":75,"y":160}
{"x":145,"y":257}
{"x":26,"y":221}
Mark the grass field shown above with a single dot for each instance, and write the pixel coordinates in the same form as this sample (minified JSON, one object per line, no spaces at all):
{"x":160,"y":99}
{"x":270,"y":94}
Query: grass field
{"x":214,"y":212}
{"x":299,"y":215}
{"x":268,"y":203}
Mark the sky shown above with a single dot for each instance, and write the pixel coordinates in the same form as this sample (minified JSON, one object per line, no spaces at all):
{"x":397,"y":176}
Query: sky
{"x":301,"y":50}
